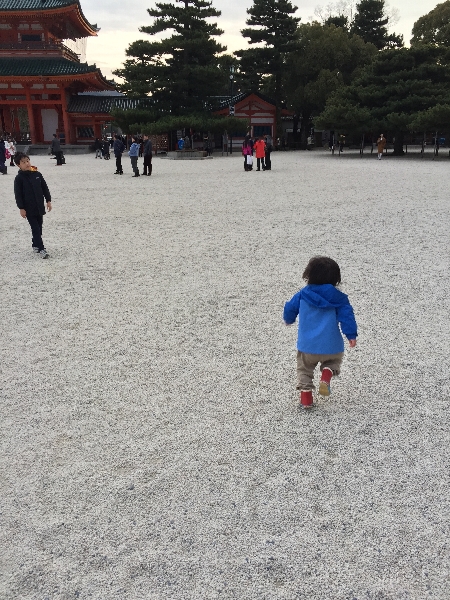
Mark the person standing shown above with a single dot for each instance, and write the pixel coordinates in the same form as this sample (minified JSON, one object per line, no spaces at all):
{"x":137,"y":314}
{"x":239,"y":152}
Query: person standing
{"x":134,"y":155}
{"x":381,"y":144}
{"x":12,"y":150}
{"x":268,"y":162}
{"x":148,"y":151}
{"x":98,"y":148}
{"x":56,"y":150}
{"x":30,"y":189}
{"x":118,"y":148}
{"x":105,"y":149}
{"x":260,"y":151}
{"x":247,"y":152}
{"x":3,"y":167}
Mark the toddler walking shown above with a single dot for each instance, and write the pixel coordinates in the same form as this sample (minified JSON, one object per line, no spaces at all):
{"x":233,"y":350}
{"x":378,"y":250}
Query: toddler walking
{"x":321,"y":308}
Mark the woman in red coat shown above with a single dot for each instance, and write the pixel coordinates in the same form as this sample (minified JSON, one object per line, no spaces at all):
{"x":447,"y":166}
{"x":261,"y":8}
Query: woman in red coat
{"x":260,"y":150}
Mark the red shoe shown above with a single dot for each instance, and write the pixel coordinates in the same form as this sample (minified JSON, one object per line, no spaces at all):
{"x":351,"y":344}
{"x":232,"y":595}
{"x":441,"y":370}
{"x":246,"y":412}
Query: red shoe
{"x":306,"y":398}
{"x":325,"y":380}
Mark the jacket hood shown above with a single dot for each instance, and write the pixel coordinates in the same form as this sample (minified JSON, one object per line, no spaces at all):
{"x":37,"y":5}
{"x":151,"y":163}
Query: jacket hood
{"x":323,"y":296}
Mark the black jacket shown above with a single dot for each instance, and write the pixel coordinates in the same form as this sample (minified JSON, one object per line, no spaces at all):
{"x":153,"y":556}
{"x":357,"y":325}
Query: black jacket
{"x":118,"y":147}
{"x":56,"y":145}
{"x":30,"y":190}
{"x":148,"y":148}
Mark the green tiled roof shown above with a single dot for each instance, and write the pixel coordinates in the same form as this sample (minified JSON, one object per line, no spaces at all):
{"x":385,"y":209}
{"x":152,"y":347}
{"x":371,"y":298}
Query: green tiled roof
{"x":18,"y":67}
{"x":34,"y":4}
{"x":6,"y":5}
{"x":104,"y":104}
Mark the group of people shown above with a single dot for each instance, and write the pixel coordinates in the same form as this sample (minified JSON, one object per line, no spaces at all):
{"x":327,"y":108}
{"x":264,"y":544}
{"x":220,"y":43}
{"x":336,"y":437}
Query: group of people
{"x":7,"y":152}
{"x":102,"y":148}
{"x":262,"y":148}
{"x":134,"y":153}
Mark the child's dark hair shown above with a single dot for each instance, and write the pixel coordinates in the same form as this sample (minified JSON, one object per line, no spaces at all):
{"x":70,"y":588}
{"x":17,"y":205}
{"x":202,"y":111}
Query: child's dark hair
{"x":321,"y":270}
{"x":18,"y":157}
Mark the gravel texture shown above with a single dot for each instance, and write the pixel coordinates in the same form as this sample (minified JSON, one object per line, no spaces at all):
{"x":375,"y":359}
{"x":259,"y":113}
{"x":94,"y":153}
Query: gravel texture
{"x":152,"y":446}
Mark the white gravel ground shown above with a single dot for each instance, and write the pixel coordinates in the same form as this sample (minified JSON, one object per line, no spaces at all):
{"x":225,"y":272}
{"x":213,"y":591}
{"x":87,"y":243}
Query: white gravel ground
{"x":151,"y":442}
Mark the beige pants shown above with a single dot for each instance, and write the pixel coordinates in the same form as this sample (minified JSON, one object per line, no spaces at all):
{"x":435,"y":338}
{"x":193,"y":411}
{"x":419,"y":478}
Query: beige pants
{"x":306,"y":363}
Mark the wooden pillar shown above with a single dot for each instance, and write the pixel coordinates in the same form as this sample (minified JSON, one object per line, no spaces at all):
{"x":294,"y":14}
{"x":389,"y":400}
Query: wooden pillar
{"x":67,"y":131}
{"x":31,"y":119}
{"x":7,"y":120}
{"x":97,"y":130}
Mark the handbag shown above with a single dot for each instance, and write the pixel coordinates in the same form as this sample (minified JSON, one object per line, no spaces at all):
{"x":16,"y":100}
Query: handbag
{"x":249,"y":159}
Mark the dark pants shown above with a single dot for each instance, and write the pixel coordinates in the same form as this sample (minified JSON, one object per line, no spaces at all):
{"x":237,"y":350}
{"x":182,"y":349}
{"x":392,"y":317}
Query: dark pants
{"x":35,"y":222}
{"x":134,"y":161}
{"x":59,"y":158}
{"x":148,"y":164}
{"x":259,"y":162}
{"x":268,"y":162}
{"x":119,"y":164}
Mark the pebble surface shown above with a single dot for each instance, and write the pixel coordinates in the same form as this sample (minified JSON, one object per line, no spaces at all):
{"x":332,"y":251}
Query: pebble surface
{"x":151,"y":440}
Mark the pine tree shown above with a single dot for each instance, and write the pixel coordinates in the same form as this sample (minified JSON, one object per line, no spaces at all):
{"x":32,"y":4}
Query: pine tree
{"x":370,"y":23}
{"x":182,"y":71}
{"x":271,"y":23}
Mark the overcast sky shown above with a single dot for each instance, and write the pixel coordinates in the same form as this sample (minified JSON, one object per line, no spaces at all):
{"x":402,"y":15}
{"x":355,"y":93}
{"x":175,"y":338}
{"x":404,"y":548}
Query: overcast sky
{"x":120,"y":20}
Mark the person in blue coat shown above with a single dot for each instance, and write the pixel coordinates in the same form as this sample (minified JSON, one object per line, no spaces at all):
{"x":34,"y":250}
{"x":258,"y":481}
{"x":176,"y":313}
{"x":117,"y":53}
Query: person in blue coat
{"x":324,"y":314}
{"x":134,"y":155}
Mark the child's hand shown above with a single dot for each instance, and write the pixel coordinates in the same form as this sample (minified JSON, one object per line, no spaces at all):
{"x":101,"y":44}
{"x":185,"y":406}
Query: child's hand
{"x":49,"y":206}
{"x":352,"y":343}
{"x":23,"y":213}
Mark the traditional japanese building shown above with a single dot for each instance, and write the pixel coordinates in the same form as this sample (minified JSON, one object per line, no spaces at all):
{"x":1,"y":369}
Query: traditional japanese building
{"x":42,"y":46}
{"x":259,"y":110}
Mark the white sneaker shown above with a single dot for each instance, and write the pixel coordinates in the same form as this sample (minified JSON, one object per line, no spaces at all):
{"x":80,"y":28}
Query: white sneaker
{"x":35,"y":250}
{"x":44,"y":253}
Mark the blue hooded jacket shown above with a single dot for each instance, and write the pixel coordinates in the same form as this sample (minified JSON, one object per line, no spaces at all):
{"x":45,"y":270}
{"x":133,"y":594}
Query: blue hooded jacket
{"x":134,"y":149}
{"x":321,"y":309}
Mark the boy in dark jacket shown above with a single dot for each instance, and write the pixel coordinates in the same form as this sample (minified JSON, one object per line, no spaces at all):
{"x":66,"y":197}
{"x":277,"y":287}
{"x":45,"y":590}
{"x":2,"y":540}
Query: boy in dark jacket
{"x":324,"y":314}
{"x":30,"y":189}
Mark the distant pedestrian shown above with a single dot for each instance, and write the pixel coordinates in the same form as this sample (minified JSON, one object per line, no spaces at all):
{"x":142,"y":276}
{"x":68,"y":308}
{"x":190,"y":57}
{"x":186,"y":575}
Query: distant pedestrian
{"x":248,"y":157}
{"x":268,"y":150}
{"x":3,"y":167}
{"x":118,"y":147}
{"x":98,"y":148}
{"x":134,"y":155}
{"x":321,"y":308}
{"x":30,"y":189}
{"x":381,"y":144}
{"x":11,"y":147}
{"x":260,"y":151}
{"x":148,"y":154}
{"x":56,"y":150}
{"x":105,"y":149}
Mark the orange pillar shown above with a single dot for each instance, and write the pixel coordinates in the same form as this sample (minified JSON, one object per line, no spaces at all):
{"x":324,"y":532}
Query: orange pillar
{"x":31,"y":120}
{"x":67,"y":131}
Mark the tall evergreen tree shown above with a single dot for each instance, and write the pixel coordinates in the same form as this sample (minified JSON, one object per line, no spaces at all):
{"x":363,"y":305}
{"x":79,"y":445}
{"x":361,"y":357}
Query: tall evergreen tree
{"x":370,"y":23}
{"x":394,"y":95}
{"x":272,"y":23}
{"x":434,"y":27}
{"x":181,"y":71}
